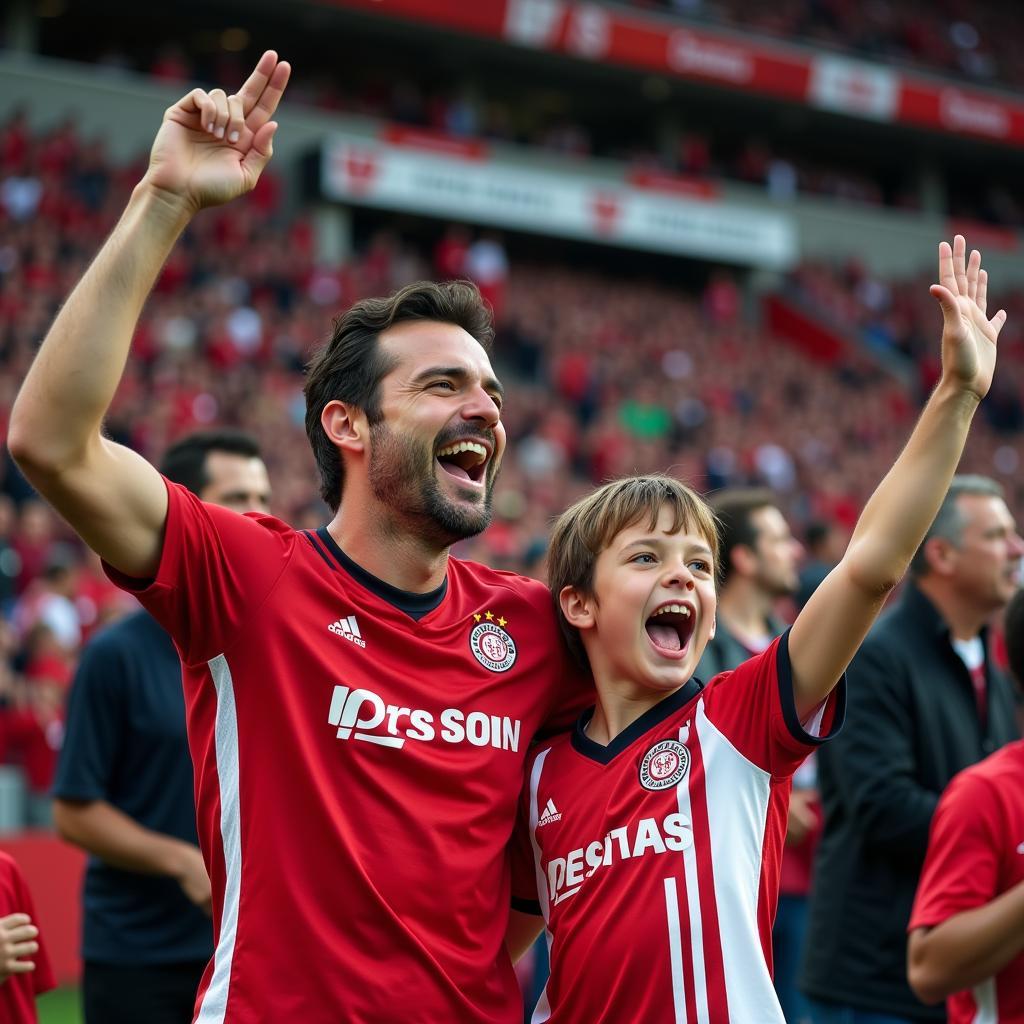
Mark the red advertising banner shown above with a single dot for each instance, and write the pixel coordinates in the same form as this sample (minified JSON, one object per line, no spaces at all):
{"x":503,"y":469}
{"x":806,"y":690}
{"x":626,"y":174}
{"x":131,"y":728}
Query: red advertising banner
{"x":653,"y":43}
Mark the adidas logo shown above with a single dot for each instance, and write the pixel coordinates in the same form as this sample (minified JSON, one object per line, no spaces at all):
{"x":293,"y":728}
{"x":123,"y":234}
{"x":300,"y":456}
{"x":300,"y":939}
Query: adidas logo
{"x":551,"y":814}
{"x":349,"y":629}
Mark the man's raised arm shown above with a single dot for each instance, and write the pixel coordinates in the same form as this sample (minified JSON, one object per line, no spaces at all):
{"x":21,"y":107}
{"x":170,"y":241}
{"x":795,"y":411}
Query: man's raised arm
{"x":835,"y":620}
{"x":210,"y":148}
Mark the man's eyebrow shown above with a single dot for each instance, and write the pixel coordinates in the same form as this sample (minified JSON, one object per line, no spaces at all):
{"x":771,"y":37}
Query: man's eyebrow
{"x":459,"y":373}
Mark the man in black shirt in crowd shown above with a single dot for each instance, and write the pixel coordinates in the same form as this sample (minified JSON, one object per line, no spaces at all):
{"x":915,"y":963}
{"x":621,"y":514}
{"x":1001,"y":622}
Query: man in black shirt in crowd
{"x":124,"y":788}
{"x":924,"y":702}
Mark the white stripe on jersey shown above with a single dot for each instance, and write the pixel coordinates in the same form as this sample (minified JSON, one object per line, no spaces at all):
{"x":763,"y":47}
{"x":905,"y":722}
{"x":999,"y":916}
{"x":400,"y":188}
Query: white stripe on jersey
{"x":737,"y":794}
{"x":675,"y":950}
{"x":986,"y":1002}
{"x":543,"y":1008}
{"x":700,"y":983}
{"x":215,"y":999}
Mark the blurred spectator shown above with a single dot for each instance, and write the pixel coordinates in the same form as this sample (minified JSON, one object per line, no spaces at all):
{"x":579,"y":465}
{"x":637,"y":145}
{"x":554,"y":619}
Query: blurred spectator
{"x":967,"y":927}
{"x":759,"y":557}
{"x":824,"y":544}
{"x":125,"y":794}
{"x":925,"y":701}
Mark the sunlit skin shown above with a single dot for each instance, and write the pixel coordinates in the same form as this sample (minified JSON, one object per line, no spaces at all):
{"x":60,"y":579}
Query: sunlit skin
{"x":638,"y":573}
{"x":237,"y":482}
{"x":441,"y":389}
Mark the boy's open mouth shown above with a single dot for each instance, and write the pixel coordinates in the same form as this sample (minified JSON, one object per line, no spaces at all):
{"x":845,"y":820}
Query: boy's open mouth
{"x":670,"y":627}
{"x":465,"y":460}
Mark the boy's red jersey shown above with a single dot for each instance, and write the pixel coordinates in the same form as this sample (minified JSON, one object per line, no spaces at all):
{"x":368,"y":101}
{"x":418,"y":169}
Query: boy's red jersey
{"x":356,"y":771}
{"x":656,"y":859}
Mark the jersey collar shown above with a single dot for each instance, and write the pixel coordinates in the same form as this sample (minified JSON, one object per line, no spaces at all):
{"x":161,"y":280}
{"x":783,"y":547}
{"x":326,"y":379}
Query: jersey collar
{"x":652,"y":717}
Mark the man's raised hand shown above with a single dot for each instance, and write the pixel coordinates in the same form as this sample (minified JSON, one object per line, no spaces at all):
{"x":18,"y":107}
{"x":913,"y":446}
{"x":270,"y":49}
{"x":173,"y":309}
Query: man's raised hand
{"x":213,"y":147}
{"x":968,"y":335}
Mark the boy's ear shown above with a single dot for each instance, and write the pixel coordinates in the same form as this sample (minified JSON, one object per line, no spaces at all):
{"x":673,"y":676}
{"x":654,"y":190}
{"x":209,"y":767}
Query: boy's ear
{"x":576,"y":607}
{"x":345,"y":425}
{"x":714,"y":626}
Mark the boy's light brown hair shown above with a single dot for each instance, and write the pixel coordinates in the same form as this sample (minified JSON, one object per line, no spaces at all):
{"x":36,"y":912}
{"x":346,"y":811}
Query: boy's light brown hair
{"x":586,"y":528}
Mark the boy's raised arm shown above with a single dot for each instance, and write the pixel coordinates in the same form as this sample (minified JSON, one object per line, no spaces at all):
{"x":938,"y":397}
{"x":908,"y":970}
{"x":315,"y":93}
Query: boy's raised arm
{"x":835,"y":620}
{"x":210,"y":148}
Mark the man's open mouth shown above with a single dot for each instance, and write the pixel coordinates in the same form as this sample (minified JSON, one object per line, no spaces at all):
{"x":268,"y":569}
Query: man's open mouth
{"x":464,"y":460}
{"x":670,"y":627}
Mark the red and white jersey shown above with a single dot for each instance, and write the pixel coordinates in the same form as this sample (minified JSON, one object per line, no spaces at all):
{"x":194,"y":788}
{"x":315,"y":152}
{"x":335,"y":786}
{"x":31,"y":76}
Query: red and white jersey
{"x":356,"y":771}
{"x":656,"y":859}
{"x":975,"y":853}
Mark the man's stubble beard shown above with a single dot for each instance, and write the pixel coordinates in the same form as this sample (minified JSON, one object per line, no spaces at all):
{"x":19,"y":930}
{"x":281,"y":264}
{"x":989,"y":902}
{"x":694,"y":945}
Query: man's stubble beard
{"x":402,"y":478}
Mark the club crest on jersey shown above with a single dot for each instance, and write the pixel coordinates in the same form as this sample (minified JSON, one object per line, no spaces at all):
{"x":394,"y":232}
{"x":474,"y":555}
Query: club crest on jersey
{"x":490,"y":644}
{"x":664,"y":765}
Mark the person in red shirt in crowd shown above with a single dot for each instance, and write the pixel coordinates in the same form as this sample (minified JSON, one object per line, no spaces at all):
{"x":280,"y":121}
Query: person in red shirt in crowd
{"x":967,"y":927}
{"x":25,"y":970}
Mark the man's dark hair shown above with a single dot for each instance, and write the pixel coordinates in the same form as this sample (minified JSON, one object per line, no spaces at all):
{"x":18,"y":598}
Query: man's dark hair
{"x":734,"y":508}
{"x":1014,"y":632}
{"x":185,"y":461}
{"x":351,"y":366}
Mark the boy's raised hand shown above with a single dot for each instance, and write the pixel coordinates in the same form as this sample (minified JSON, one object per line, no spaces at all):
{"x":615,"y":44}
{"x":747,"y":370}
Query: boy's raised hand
{"x":968,"y":336}
{"x":213,"y":147}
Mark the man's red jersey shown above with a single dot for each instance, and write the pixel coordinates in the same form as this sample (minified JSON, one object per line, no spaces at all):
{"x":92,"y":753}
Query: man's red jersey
{"x":356,"y":771}
{"x":975,"y":853}
{"x":656,"y":859}
{"x":18,"y":993}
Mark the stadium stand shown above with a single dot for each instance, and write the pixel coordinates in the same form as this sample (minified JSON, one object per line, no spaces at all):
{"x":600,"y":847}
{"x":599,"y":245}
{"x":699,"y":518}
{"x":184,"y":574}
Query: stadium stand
{"x":803,"y":376}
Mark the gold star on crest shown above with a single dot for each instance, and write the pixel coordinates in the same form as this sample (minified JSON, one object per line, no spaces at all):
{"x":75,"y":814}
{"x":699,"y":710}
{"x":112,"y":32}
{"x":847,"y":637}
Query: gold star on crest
{"x":502,"y":621}
{"x":477,"y":616}
{"x":489,"y":616}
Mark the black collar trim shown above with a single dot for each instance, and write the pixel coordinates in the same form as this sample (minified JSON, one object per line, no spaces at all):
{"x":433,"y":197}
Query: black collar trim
{"x":416,"y":606}
{"x":584,"y":745}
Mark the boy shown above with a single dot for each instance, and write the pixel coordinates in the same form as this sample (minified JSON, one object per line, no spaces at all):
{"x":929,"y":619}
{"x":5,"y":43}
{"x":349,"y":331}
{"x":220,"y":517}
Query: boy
{"x":652,"y":834}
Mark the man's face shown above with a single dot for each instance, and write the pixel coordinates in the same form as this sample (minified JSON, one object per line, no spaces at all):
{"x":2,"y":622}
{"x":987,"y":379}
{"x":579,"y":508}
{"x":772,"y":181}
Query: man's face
{"x":986,"y":561}
{"x":237,"y":482}
{"x":777,"y":553}
{"x":652,"y":607}
{"x":435,"y":454}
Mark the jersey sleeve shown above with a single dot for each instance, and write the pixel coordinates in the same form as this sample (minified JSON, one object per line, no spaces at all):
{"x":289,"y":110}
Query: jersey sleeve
{"x":575,"y":694}
{"x":961,"y":868}
{"x":217,"y":567}
{"x":755,"y":708}
{"x":94,"y":725}
{"x":525,"y":898}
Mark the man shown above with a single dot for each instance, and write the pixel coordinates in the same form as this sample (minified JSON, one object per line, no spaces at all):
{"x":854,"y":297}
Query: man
{"x":124,"y":786}
{"x":926,"y":701}
{"x":759,"y":558}
{"x":359,"y":704}
{"x":967,"y":928}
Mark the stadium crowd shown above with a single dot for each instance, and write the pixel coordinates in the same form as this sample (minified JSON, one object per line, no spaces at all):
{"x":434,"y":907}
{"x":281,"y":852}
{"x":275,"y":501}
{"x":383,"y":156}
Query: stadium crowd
{"x":611,"y":376}
{"x":975,"y":42}
{"x":470,"y":101}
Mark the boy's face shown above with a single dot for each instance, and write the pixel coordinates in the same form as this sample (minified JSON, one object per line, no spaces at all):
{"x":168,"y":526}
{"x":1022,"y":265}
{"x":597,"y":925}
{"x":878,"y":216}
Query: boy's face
{"x":652,"y":610}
